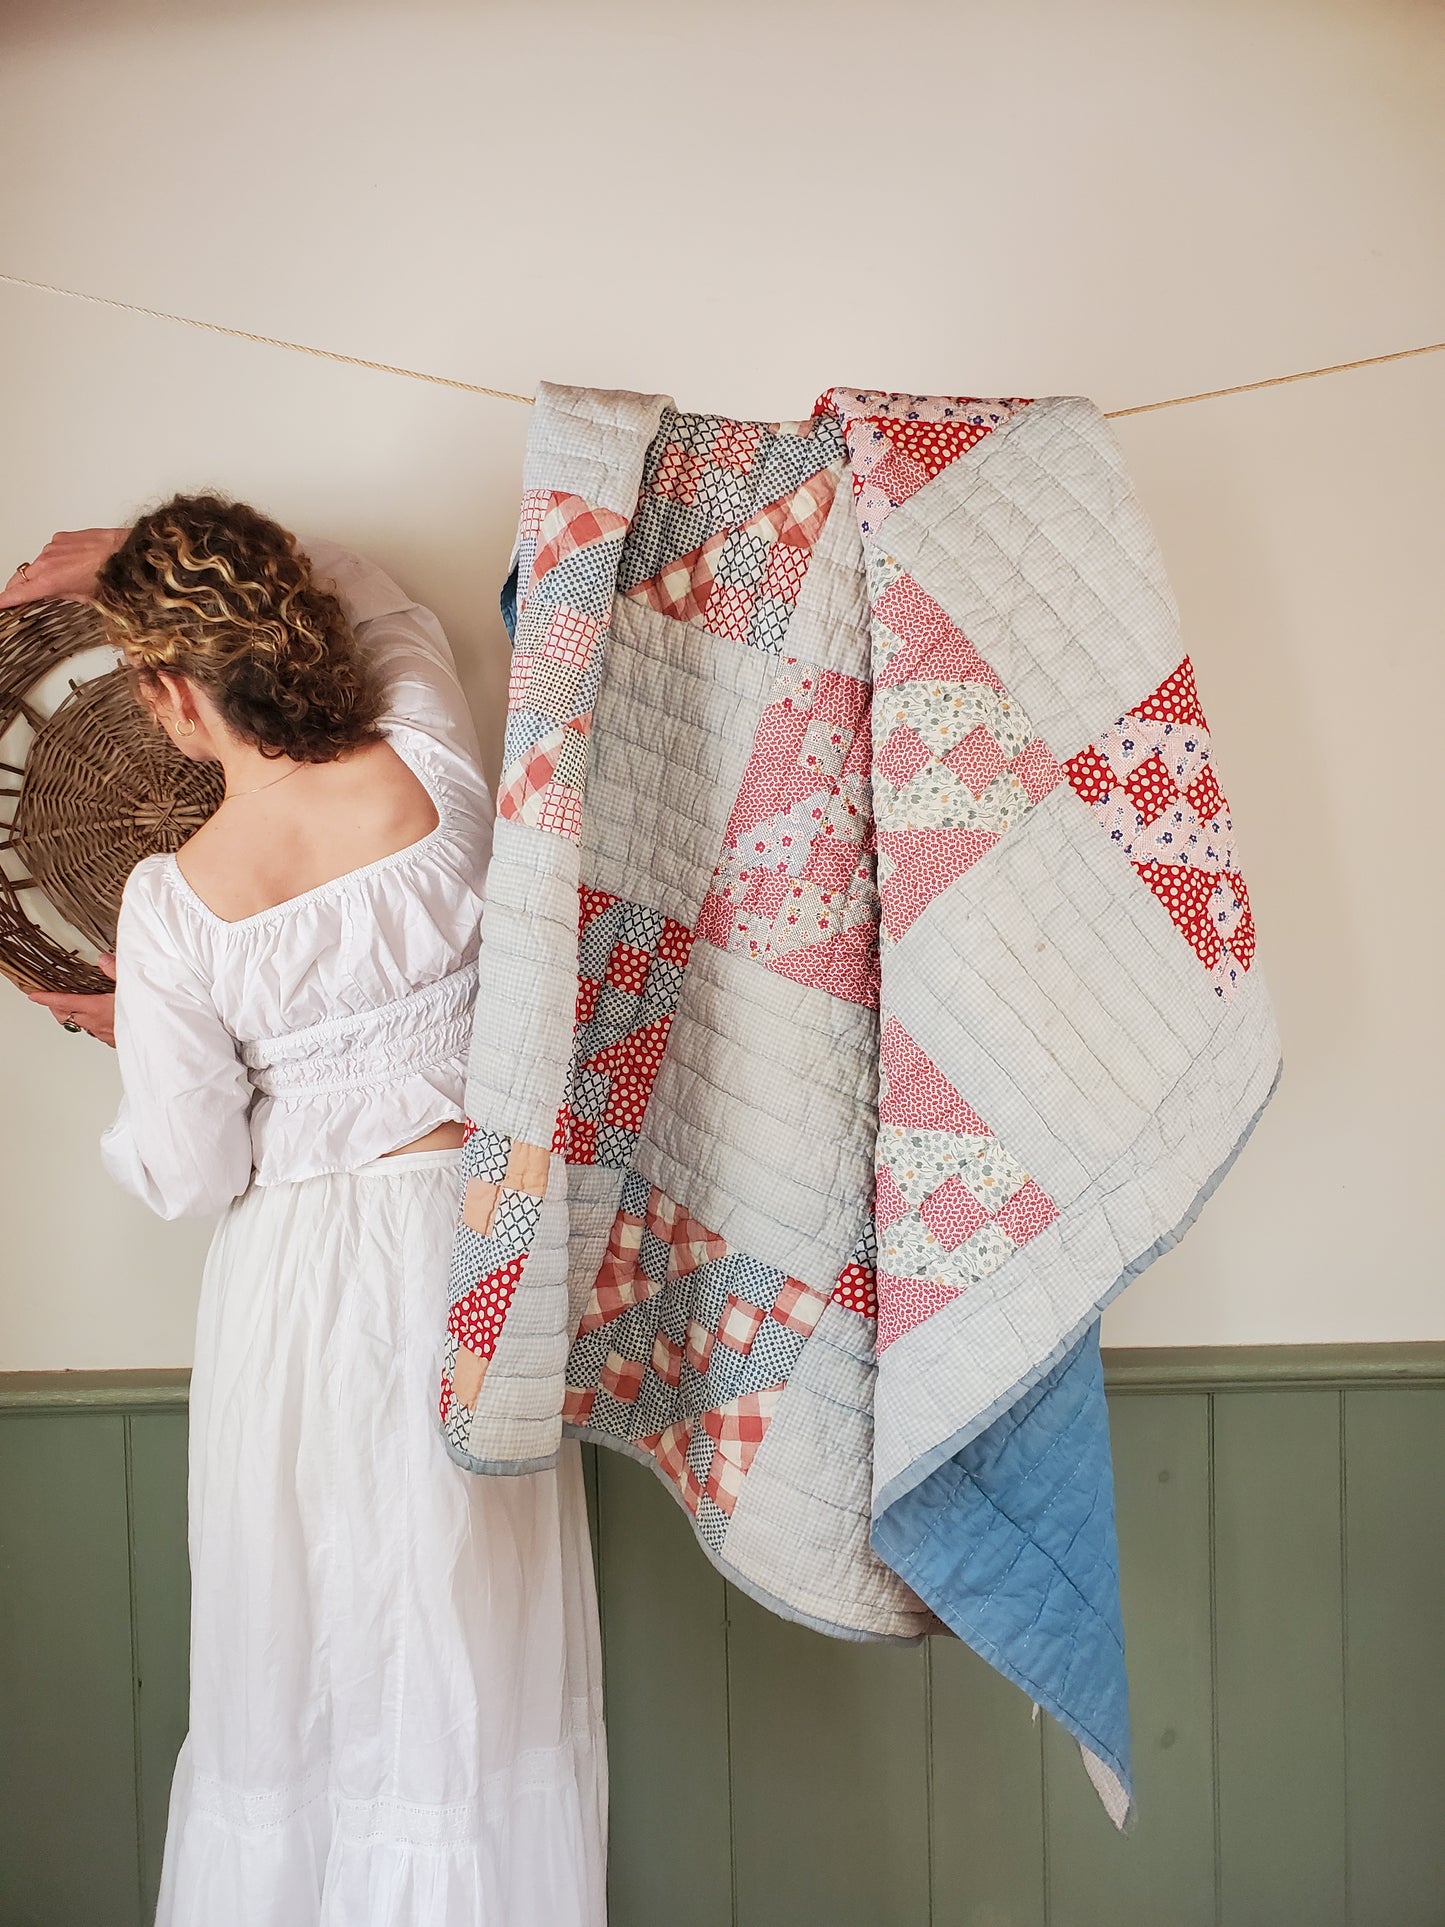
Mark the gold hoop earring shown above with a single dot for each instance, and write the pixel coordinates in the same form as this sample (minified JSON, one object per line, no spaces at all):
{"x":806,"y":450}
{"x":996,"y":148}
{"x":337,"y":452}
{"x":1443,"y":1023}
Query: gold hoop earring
{"x":181,"y":730}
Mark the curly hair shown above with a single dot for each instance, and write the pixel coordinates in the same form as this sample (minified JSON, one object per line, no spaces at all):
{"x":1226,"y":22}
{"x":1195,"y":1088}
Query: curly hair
{"x":217,"y":592}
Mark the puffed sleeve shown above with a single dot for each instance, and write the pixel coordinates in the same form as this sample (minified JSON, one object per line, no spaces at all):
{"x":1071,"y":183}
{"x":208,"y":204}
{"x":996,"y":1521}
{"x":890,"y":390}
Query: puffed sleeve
{"x":407,"y":645}
{"x":181,"y":1141}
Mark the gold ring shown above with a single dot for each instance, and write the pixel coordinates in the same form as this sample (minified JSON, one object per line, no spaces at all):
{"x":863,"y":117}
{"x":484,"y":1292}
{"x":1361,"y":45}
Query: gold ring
{"x":71,"y":1025}
{"x":23,"y":570}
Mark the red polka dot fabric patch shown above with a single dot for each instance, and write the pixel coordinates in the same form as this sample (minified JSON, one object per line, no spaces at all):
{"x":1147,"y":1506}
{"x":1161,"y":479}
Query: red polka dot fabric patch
{"x":476,"y":1320}
{"x":1152,"y":784}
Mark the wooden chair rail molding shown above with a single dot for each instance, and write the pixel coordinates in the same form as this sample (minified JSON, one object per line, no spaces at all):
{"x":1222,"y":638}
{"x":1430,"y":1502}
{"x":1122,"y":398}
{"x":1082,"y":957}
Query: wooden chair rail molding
{"x":1140,"y":1369}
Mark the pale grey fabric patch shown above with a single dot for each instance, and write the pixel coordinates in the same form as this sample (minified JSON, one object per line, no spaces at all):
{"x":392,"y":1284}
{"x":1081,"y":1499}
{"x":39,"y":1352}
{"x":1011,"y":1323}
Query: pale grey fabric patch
{"x":764,"y":1113}
{"x":591,"y":442}
{"x":671,"y":735}
{"x":527,"y":995}
{"x":830,"y":621}
{"x":1014,"y":980}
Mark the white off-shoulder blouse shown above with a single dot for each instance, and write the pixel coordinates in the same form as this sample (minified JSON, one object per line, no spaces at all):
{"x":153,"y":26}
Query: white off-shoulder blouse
{"x":330,"y":1029}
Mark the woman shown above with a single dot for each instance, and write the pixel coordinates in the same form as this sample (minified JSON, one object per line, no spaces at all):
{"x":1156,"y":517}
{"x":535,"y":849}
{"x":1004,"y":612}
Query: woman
{"x":395,"y":1677}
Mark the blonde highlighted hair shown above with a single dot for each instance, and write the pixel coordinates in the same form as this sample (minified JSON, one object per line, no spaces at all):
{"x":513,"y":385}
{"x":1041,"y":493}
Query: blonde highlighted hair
{"x":217,"y":592}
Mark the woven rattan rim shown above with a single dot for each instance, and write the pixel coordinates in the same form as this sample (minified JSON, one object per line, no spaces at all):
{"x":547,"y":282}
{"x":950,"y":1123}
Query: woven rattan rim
{"x":101,"y":788}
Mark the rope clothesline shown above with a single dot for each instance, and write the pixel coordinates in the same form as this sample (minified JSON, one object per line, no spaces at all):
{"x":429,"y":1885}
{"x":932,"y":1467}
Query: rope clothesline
{"x":507,"y":394}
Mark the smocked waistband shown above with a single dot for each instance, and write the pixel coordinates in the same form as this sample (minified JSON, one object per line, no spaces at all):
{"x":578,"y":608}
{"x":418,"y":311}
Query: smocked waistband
{"x":427,"y":1029}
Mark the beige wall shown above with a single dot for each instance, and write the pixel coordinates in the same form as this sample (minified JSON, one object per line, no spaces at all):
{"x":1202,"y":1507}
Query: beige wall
{"x":1128,"y":200}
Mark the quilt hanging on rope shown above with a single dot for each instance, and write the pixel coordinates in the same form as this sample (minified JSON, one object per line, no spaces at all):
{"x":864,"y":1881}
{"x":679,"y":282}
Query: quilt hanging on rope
{"x":867,"y":994}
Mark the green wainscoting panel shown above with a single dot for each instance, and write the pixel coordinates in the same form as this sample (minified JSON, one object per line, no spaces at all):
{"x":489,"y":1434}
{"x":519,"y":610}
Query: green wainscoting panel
{"x":1163,"y":1870}
{"x":664,"y":1624}
{"x":162,"y":1596}
{"x":830,"y":1774}
{"x":69,"y":1848}
{"x":1279,"y":1688}
{"x":1395,"y":1655}
{"x":988,"y":1795}
{"x":1282,"y":1537}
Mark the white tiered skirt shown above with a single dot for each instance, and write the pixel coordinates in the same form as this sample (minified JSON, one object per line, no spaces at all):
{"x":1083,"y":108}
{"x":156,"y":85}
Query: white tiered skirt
{"x":396,"y":1704}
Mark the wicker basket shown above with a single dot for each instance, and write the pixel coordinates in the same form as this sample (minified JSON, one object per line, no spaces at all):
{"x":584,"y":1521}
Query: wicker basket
{"x":101,"y":787}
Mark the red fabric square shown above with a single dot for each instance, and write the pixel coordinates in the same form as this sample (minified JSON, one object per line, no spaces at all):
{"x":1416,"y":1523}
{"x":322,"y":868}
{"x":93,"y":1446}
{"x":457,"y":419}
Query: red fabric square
{"x":1150,"y":788}
{"x":1090,"y":775}
{"x":1205,"y":795}
{"x":1027,"y":1213}
{"x":622,"y":1377}
{"x":666,"y":1359}
{"x":902,"y":756}
{"x":856,"y":1290}
{"x":581,"y":1146}
{"x":739,"y":1324}
{"x":1176,"y":700}
{"x":977,"y":760}
{"x":952,"y":1213}
{"x":677,"y":474}
{"x":730,"y":611}
{"x":627,"y":968}
{"x":675,"y":943}
{"x":736,"y":445}
{"x":476,"y":1319}
{"x":591,"y":903}
{"x":798,"y":1306}
{"x":787,"y":565}
{"x":918,"y":1093}
{"x":1037,"y":769}
{"x":570,"y":637}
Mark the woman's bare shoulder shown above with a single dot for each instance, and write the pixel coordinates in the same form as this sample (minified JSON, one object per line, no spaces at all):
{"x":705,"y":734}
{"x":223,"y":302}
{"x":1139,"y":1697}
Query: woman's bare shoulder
{"x":263,"y":848}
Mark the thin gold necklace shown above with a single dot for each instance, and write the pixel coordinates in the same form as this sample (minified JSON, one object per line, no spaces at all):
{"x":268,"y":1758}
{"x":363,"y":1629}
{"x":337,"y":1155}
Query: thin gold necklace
{"x":232,"y":796}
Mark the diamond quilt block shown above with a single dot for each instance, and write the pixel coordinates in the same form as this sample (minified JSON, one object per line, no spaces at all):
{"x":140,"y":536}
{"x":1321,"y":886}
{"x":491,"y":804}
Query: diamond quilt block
{"x":955,"y":1204}
{"x":726,"y":524}
{"x":794,"y":886}
{"x":1151,"y":784}
{"x":630,"y":961}
{"x":682,"y":1351}
{"x":957,"y":762}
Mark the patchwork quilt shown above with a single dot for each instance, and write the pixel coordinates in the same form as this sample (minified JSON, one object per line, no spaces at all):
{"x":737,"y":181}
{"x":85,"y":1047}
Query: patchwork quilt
{"x":867,"y":994}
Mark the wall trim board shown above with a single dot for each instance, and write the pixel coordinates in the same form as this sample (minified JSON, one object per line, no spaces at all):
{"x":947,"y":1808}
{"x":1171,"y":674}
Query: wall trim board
{"x":1315,"y":1368}
{"x":1164,"y":1369}
{"x":145,"y":1391}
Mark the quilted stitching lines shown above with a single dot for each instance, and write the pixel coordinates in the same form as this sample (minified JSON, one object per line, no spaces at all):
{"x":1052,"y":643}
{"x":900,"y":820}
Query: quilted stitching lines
{"x":794,"y":887}
{"x":1150,"y":781}
{"x":630,"y":961}
{"x":953,"y":1204}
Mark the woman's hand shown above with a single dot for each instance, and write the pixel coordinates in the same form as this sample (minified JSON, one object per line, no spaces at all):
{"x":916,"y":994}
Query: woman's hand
{"x":94,"y":1014}
{"x":66,"y":567}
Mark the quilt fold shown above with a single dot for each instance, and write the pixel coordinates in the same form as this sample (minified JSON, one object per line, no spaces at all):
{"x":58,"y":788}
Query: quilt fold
{"x":867,"y":994}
